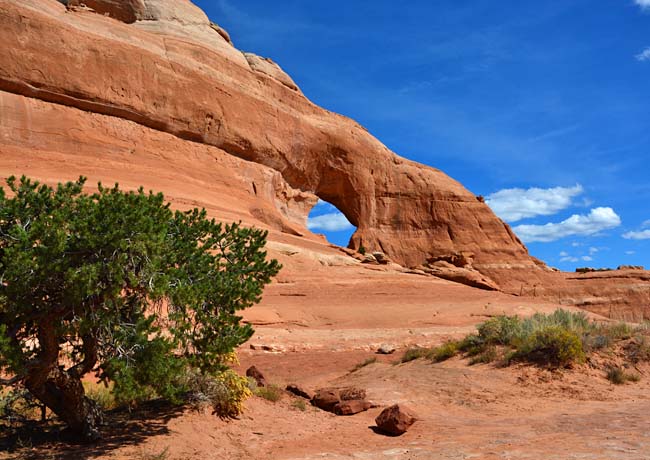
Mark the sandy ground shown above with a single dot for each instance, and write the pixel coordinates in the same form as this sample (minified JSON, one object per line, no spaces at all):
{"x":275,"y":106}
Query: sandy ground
{"x":319,"y":327}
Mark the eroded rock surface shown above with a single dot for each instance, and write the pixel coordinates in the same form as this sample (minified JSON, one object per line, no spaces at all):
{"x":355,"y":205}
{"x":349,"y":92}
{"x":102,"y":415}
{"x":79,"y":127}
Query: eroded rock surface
{"x":192,"y":83}
{"x":108,"y":87}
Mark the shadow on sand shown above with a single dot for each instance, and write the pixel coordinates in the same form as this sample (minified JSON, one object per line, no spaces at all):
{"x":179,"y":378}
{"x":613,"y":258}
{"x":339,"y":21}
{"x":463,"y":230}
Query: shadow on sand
{"x":38,"y":441}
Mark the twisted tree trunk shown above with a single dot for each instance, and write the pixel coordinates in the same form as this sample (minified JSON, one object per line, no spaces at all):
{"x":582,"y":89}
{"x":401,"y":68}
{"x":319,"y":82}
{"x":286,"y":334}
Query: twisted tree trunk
{"x":62,"y":391}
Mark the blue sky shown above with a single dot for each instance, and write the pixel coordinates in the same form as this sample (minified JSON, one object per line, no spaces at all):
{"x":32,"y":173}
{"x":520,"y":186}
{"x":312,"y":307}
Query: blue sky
{"x":543,"y":107}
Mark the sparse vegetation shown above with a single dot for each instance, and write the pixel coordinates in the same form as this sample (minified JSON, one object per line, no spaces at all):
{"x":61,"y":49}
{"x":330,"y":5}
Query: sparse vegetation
{"x":444,"y":352}
{"x":415,"y":353}
{"x":618,"y":376}
{"x":363,"y":364}
{"x":559,"y":339}
{"x":299,"y":404}
{"x":485,"y":357}
{"x":271,"y":393}
{"x":225,"y":393}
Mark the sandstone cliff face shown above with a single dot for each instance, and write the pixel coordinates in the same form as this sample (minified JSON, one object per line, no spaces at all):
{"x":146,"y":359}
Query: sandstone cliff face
{"x":170,"y":71}
{"x":151,"y":92}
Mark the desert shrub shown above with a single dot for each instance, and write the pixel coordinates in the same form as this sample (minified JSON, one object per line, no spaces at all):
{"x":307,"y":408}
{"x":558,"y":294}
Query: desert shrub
{"x":472,"y":345}
{"x":576,"y":322}
{"x":618,"y":376}
{"x":488,"y":355}
{"x":271,"y":393}
{"x":500,"y":330}
{"x":551,"y":344}
{"x":363,"y":364}
{"x":415,"y":353}
{"x":225,"y":392}
{"x":443,"y":352}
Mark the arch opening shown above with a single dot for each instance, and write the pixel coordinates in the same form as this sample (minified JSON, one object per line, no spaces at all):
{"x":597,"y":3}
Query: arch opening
{"x":327,"y":220}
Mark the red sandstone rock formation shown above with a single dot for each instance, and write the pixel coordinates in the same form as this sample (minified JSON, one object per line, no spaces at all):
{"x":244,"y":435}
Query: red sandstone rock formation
{"x":171,"y":71}
{"x":151,"y":92}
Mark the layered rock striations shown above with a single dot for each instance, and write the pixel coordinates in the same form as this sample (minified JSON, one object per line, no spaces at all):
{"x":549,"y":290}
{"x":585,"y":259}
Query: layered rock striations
{"x":170,"y":70}
{"x":151,"y":92}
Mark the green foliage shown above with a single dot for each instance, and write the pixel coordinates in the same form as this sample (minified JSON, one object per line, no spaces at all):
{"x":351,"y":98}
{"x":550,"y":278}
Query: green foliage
{"x":436,"y":354}
{"x":500,"y":330}
{"x":123,"y":285}
{"x":362,"y":250}
{"x":443,"y":352}
{"x":551,"y":344}
{"x":488,"y":355}
{"x":271,"y":393}
{"x":558,"y":339}
{"x":414,"y":353}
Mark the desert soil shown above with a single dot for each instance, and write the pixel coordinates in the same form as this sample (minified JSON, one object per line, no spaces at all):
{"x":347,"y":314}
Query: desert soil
{"x":319,"y":328}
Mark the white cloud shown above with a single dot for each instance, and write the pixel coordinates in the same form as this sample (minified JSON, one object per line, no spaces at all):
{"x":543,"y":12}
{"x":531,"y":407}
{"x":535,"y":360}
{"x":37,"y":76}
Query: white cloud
{"x":332,"y":222}
{"x":630,"y":253}
{"x":642,"y":235}
{"x":643,"y":55}
{"x":515,"y":204}
{"x":564,"y":254}
{"x":646,"y":224}
{"x":593,"y":251}
{"x":569,"y":259}
{"x":587,"y":258}
{"x":597,"y":220}
{"x":644,"y":4}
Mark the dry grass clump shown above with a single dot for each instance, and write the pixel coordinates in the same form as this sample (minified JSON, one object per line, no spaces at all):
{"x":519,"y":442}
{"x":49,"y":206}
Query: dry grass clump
{"x":271,"y":393}
{"x":618,"y":376}
{"x":363,"y":364}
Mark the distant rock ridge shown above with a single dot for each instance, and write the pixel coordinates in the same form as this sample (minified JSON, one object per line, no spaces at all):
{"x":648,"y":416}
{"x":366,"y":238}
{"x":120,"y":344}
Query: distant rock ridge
{"x":164,"y":65}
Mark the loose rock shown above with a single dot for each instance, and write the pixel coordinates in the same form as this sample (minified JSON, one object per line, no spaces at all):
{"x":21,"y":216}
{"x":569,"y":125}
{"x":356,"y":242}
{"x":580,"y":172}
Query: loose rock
{"x":352,"y":407}
{"x":395,"y":420}
{"x":386,"y":349}
{"x":326,"y":399}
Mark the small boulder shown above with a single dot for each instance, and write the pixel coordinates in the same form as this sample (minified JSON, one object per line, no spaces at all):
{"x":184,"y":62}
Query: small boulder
{"x":369,"y":259}
{"x":395,"y":420}
{"x":352,"y":393}
{"x":256,"y":375}
{"x":352,"y":407}
{"x":326,"y":399}
{"x":381,"y":258}
{"x":299,"y":391}
{"x":386,"y":349}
